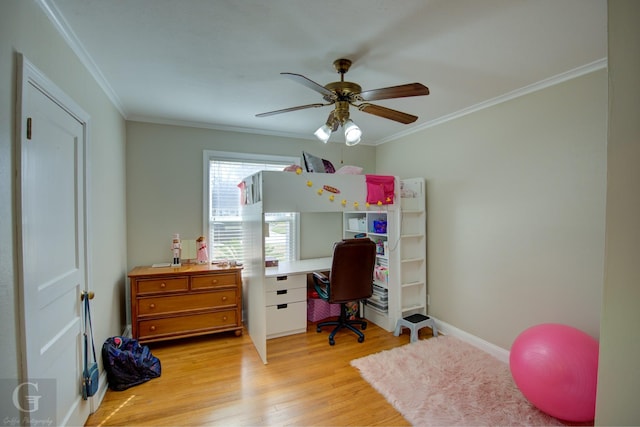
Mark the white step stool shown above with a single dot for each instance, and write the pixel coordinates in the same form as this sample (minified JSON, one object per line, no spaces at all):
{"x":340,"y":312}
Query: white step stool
{"x":415,"y":322}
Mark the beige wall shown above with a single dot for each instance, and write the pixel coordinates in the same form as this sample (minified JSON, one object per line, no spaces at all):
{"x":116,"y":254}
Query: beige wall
{"x":516,"y":201}
{"x":619,"y":372}
{"x":25,"y":29}
{"x":164,"y":184}
{"x":516,"y":208}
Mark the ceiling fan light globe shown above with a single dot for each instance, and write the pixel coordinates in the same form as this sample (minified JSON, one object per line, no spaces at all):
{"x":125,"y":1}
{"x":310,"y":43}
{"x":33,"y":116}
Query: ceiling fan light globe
{"x":352,"y":133}
{"x":323,"y":133}
{"x":352,"y":143}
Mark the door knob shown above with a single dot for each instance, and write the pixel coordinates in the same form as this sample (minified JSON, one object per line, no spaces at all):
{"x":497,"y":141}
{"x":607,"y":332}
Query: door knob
{"x":89,"y":295}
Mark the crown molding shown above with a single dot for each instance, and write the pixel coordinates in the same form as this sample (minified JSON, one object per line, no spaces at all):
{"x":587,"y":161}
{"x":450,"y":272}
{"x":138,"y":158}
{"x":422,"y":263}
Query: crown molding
{"x":61,"y":25}
{"x":543,"y":84}
{"x":214,"y":126}
{"x":226,"y":128}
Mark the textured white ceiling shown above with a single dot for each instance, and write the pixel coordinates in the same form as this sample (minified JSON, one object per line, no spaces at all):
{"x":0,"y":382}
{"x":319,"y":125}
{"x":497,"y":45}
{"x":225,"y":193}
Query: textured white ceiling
{"x":216,"y":63}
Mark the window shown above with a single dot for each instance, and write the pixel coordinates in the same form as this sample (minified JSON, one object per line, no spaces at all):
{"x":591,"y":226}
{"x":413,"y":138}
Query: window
{"x":223,"y":172}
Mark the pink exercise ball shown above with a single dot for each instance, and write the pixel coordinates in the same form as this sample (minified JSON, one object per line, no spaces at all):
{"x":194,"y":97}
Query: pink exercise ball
{"x":556,"y":368}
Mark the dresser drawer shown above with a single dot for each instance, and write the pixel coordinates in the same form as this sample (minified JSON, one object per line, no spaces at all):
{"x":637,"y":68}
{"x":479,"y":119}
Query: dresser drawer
{"x":213,"y":281}
{"x":286,"y":319}
{"x":169,"y":284}
{"x":273,"y":284}
{"x":192,"y":324}
{"x":285,"y":296}
{"x":186,"y":303}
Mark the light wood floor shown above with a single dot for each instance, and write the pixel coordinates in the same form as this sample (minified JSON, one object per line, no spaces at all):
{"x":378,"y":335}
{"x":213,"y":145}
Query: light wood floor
{"x":220,"y":380}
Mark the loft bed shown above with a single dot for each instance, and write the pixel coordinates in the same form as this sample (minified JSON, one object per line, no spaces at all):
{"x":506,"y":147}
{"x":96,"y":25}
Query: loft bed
{"x":304,"y":192}
{"x":275,"y":192}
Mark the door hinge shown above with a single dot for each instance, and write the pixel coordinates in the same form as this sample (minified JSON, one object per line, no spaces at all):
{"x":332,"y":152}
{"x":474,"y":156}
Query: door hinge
{"x":28,"y":127}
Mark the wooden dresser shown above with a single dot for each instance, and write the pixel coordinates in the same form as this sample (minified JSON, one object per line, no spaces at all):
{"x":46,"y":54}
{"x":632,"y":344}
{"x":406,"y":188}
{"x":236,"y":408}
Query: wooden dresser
{"x":177,"y":302}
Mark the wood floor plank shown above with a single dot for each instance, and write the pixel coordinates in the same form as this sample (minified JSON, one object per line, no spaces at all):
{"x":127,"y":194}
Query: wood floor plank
{"x":220,"y":380}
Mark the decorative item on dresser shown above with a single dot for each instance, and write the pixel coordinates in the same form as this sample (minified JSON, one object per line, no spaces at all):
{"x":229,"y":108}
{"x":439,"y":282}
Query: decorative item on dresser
{"x":185,"y":301}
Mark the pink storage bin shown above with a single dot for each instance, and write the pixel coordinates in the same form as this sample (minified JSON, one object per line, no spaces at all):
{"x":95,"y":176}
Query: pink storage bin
{"x":318,"y":309}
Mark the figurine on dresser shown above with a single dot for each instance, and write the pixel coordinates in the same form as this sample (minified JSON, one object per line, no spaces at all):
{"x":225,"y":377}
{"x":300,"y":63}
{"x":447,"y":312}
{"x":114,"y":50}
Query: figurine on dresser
{"x":203,"y":255}
{"x":176,"y":248}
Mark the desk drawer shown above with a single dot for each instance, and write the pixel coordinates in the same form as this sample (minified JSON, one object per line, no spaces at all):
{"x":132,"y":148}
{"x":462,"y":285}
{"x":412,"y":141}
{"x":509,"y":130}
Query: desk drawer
{"x":285,"y":296}
{"x":286,"y":319}
{"x":169,"y":284}
{"x":186,"y":303}
{"x":293,"y":281}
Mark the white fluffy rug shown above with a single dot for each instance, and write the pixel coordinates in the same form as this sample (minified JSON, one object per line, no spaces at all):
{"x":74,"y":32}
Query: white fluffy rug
{"x":444,"y":382}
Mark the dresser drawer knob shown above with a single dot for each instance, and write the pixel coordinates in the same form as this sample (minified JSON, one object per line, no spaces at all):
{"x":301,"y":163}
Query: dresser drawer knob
{"x":152,"y":305}
{"x":225,"y":318}
{"x":214,"y":281}
{"x":152,"y":328}
{"x":224,"y":298}
{"x":163,"y":285}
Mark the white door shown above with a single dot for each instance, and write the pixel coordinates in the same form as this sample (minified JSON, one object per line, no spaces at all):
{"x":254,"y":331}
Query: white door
{"x":52,"y":238}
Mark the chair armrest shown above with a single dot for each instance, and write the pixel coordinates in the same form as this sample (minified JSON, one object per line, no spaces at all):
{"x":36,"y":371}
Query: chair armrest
{"x":321,"y":284}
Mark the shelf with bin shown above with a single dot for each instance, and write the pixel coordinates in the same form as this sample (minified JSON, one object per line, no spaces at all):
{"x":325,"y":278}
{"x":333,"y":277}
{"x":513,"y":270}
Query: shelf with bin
{"x":354,"y":223}
{"x":374,"y":225}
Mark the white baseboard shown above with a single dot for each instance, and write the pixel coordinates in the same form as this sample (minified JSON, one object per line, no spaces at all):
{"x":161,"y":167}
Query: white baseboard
{"x":447,"y":329}
{"x":96,"y":400}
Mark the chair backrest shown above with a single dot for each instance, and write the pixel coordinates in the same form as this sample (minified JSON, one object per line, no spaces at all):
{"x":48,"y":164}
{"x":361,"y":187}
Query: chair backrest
{"x":351,"y":275}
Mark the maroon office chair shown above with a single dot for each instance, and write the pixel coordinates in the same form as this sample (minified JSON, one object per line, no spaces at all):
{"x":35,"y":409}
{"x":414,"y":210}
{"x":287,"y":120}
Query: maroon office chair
{"x":350,"y":279}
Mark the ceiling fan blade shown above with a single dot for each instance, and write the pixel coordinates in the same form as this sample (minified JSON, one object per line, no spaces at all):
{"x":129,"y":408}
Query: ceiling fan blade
{"x":387,"y":113}
{"x":410,"y":89}
{"x":287,"y":110}
{"x":310,"y":84}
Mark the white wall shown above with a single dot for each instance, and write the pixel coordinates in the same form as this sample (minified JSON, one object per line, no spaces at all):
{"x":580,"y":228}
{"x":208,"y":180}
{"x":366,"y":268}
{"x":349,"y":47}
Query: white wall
{"x":25,"y":29}
{"x":516,"y":208}
{"x":164,"y":183}
{"x":619,"y":370}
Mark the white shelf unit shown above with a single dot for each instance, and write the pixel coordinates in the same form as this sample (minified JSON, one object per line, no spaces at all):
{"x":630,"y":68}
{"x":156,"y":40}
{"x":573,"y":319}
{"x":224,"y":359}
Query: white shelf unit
{"x":380,"y":308}
{"x":413,"y":247}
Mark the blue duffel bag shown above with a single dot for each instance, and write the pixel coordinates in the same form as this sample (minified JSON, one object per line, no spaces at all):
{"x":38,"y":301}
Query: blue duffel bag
{"x":128,"y":363}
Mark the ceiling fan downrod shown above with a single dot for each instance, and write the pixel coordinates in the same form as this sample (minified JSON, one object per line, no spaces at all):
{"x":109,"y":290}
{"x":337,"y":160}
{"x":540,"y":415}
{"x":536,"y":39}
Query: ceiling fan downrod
{"x":344,"y":91}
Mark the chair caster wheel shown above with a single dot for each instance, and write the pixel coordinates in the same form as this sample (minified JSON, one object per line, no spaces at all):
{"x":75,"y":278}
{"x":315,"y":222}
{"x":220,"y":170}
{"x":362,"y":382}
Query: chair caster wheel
{"x":360,"y":339}
{"x":318,"y":329}
{"x":332,"y":342}
{"x":364,"y":327}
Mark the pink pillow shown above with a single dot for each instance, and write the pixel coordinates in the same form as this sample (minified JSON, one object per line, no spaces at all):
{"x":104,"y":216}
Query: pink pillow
{"x":350,"y":170}
{"x":291,"y":168}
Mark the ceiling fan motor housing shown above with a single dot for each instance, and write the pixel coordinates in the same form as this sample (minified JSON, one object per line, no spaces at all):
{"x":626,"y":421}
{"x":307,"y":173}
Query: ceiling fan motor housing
{"x":344,"y":91}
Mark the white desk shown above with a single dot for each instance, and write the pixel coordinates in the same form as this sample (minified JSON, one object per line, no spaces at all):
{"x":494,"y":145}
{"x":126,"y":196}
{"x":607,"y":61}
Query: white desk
{"x":302,"y":266}
{"x":286,"y":295}
{"x":277,"y":300}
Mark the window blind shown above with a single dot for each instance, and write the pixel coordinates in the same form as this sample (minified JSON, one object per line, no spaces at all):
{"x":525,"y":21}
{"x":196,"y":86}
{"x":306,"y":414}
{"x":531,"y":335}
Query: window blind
{"x":225,"y":221}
